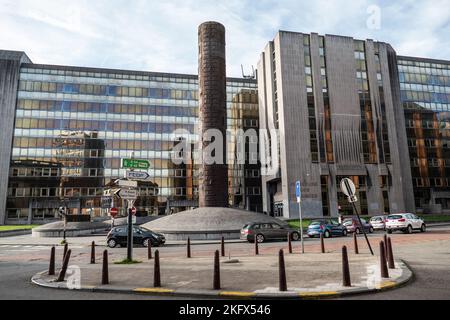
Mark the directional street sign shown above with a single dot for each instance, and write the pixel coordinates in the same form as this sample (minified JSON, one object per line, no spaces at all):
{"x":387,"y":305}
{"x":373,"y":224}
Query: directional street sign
{"x":128,"y":194}
{"x":298,"y":192}
{"x":137,"y":175}
{"x":348,"y":187}
{"x":135,"y":164}
{"x":127,"y":184}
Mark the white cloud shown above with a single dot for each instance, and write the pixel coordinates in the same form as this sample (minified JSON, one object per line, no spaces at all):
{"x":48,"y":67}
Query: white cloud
{"x":162,"y":35}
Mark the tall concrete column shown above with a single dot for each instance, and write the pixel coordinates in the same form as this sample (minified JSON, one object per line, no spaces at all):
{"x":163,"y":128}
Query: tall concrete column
{"x":213,"y":182}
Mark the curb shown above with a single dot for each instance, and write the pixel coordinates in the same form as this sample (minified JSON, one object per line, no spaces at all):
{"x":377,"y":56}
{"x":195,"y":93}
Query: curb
{"x":406,"y":277}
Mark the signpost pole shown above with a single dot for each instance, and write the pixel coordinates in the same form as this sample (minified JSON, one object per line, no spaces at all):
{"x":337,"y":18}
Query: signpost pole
{"x":362,"y":227}
{"x":348,"y":187}
{"x":130,"y":232}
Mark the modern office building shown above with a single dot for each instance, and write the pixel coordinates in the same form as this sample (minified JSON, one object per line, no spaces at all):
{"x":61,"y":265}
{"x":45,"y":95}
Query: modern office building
{"x":425,"y":93}
{"x":66,"y":129}
{"x":336,"y":103}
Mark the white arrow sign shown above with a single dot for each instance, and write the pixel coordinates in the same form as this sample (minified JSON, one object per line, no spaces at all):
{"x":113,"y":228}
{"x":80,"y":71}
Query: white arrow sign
{"x":127,"y":184}
{"x":137,"y":175}
{"x":128,"y":194}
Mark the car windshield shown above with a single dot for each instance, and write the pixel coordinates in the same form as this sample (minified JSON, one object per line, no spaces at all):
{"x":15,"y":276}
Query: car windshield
{"x":395,"y":217}
{"x":348,"y":221}
{"x":316,"y":223}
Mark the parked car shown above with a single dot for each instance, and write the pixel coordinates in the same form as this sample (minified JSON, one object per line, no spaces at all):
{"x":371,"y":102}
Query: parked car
{"x":327,"y":227}
{"x":406,"y":222}
{"x":267,"y":231}
{"x":119,"y":236}
{"x":353,"y":225}
{"x":378,"y":222}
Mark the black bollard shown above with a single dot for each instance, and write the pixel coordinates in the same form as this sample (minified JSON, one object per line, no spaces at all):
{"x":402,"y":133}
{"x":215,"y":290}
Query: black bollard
{"x":289,"y":243}
{"x":345,"y":269}
{"x":390,"y":255}
{"x":157,"y":272}
{"x":385,"y":241}
{"x":62,"y":273}
{"x":322,"y":243}
{"x":216,"y":284}
{"x":105,"y":272}
{"x":383,"y":266}
{"x":149,"y":250}
{"x":66,"y":247}
{"x":256,"y":247}
{"x":282,"y":272}
{"x":223,"y":247}
{"x":355,"y":241}
{"x":51,"y":268}
{"x":189,"y":255}
{"x":93,"y":252}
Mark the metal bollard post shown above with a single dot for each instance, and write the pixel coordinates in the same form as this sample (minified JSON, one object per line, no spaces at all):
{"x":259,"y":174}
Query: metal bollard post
{"x":345,"y":268}
{"x":289,"y":243}
{"x":383,"y":266}
{"x":51,"y":268}
{"x":322,"y":243}
{"x":62,"y":273}
{"x":149,"y":250}
{"x":385,"y":241}
{"x":282,"y":272}
{"x":390,"y":255}
{"x":216,"y":284}
{"x":223,"y":247}
{"x":105,"y":272}
{"x":256,"y":247}
{"x":355,"y":241}
{"x":66,"y":247}
{"x":93,"y":252}
{"x":189,"y":248}
{"x":157,"y":271}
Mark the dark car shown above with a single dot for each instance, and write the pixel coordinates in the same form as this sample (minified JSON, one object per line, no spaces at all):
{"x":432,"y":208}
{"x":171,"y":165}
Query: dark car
{"x":119,"y":236}
{"x":327,"y":227}
{"x":353,"y":225}
{"x":267,"y":231}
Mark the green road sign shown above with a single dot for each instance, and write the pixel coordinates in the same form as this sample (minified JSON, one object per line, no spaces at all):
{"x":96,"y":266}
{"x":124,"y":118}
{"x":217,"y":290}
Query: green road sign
{"x":135,"y":164}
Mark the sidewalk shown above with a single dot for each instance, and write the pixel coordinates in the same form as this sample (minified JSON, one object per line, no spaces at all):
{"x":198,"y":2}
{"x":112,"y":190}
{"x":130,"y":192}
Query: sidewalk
{"x":308,"y":276}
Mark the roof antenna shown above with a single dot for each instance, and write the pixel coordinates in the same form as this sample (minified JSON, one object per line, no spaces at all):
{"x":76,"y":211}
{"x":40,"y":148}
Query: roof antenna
{"x":247,"y":76}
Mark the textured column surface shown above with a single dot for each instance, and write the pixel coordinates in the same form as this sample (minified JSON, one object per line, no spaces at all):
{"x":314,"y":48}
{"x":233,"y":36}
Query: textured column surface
{"x":213,"y":182}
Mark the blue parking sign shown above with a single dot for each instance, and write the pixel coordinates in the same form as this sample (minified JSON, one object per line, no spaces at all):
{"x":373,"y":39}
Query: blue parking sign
{"x":298,"y":191}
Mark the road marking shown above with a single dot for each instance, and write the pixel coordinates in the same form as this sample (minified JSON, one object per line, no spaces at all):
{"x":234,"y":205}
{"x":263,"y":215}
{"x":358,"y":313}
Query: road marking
{"x":237,"y":294}
{"x":386,"y":284}
{"x":315,"y":294}
{"x":153,"y":290}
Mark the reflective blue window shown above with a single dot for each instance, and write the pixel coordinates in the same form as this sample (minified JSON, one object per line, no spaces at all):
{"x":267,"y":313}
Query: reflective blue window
{"x":112,"y":90}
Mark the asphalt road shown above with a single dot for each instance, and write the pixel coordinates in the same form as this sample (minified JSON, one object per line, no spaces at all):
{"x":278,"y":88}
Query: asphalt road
{"x":428,"y":255}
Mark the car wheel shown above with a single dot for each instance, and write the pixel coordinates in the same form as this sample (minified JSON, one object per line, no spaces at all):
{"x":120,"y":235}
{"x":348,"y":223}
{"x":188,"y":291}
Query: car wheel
{"x":409,"y":230}
{"x":371,"y":230}
{"x":146,"y":242}
{"x":295,"y":236}
{"x":423,"y":228}
{"x":112,"y":243}
{"x":260,"y":238}
{"x":327,"y":234}
{"x":389,"y":231}
{"x":357,"y":231}
{"x":344,"y":233}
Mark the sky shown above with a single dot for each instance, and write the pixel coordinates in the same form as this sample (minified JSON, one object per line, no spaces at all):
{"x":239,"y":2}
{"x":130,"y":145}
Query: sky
{"x":162,"y":35}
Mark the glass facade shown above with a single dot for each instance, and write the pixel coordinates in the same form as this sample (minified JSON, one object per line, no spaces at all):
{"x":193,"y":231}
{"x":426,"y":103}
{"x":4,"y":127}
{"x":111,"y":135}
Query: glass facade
{"x":425,"y":94}
{"x":74,"y":125}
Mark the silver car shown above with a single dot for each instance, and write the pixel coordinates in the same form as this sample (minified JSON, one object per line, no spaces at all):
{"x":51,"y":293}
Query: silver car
{"x":378,"y":222}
